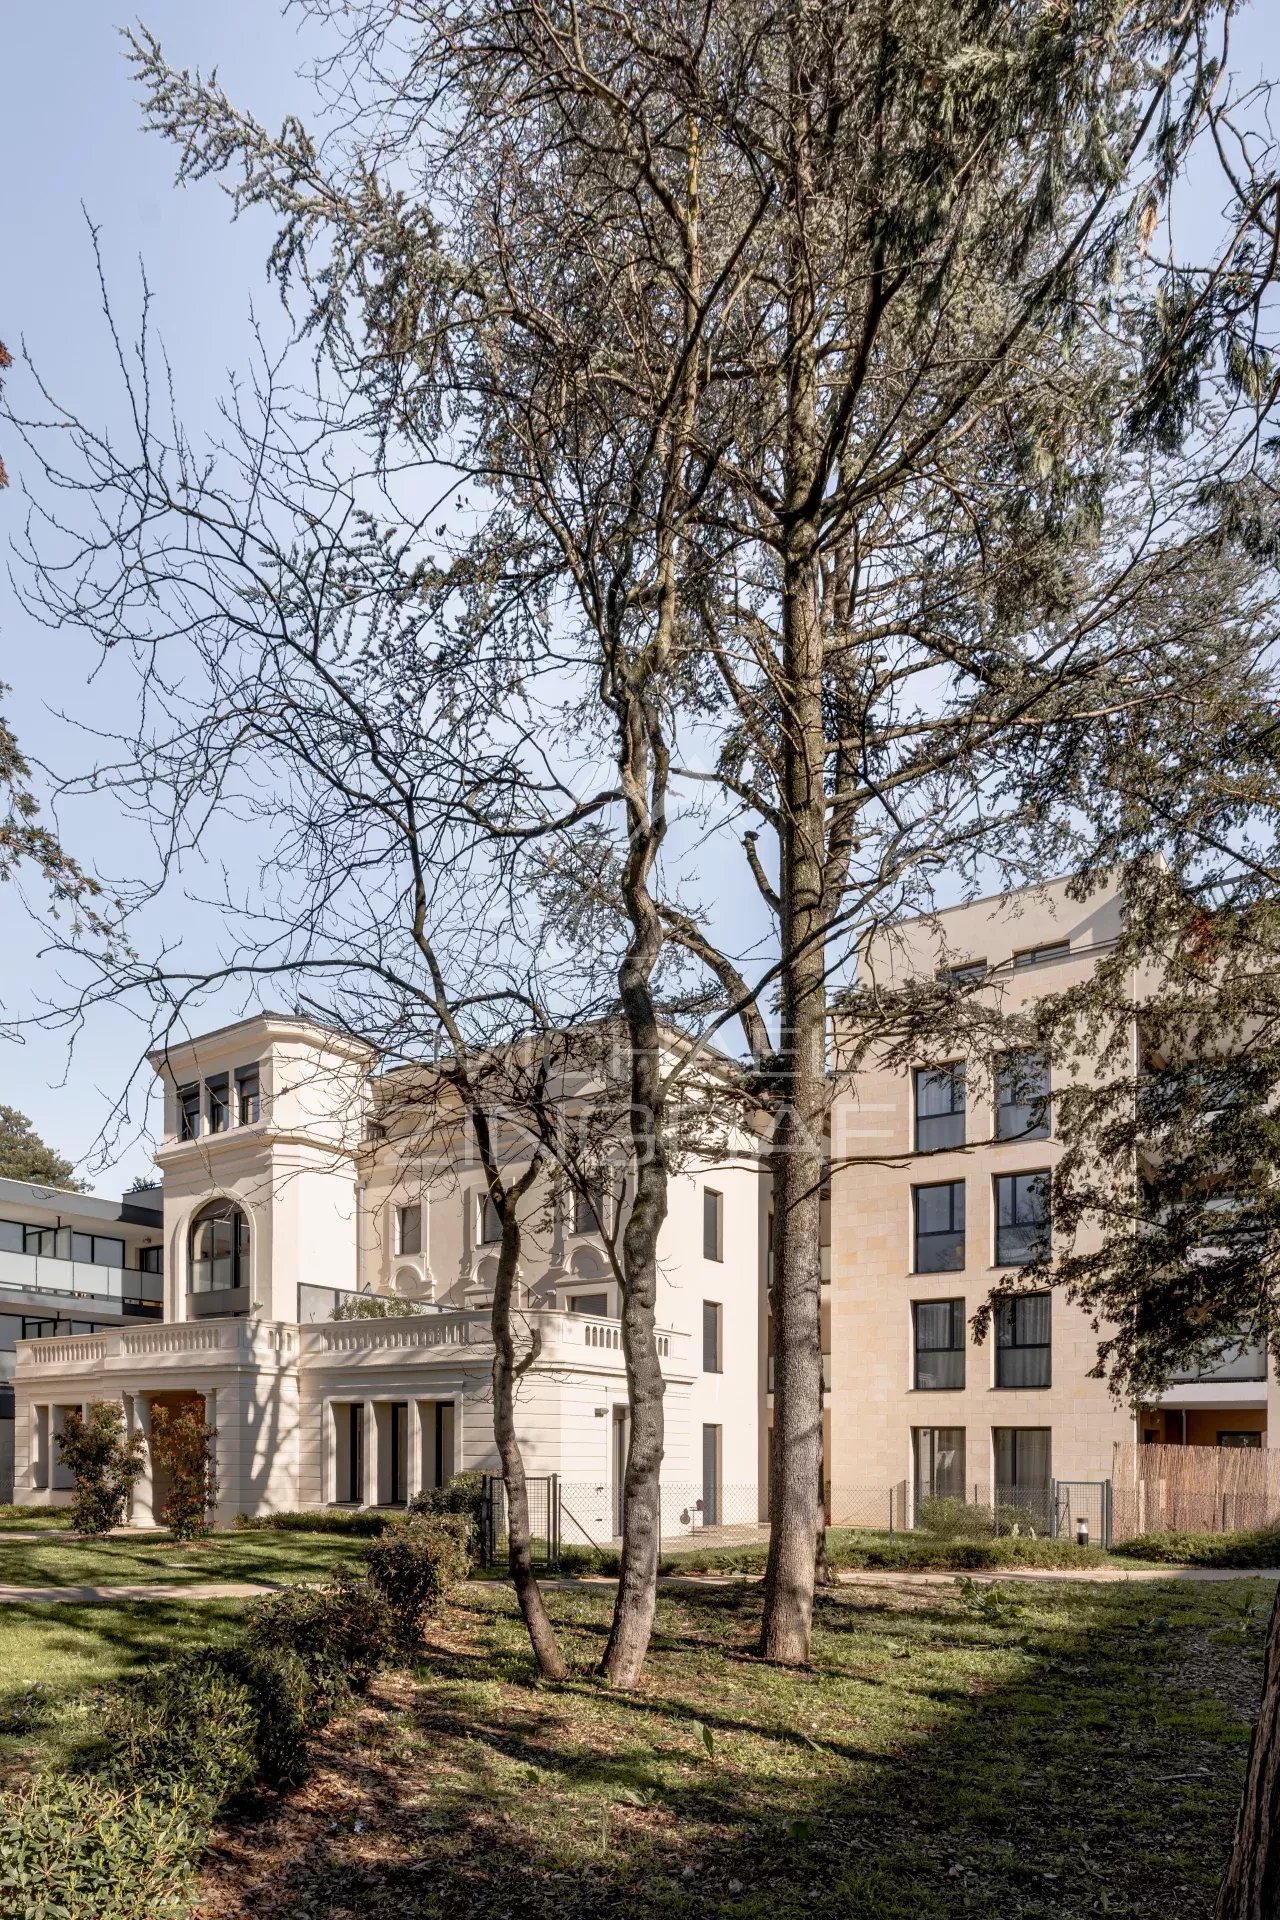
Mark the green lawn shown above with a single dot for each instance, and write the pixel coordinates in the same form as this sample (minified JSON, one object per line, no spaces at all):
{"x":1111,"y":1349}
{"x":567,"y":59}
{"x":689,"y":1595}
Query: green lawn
{"x":1021,"y":1753}
{"x":31,"y":1519}
{"x":55,"y":1658}
{"x":124,"y":1560}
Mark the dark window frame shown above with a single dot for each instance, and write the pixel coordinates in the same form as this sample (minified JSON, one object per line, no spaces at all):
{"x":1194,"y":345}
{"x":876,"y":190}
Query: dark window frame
{"x":489,"y":1227}
{"x":954,"y":1233}
{"x":1034,"y":1245}
{"x":218,"y":1095}
{"x":935,"y":1132}
{"x":249,"y":1095}
{"x":408,"y":1211}
{"x":190,"y":1111}
{"x":713,"y":1224}
{"x":1010,"y":1312}
{"x":957,"y":1343}
{"x":1043,"y":954}
{"x":712,"y":1336}
{"x":586,"y":1303}
{"x":237,"y":1254}
{"x":1039,"y":1105}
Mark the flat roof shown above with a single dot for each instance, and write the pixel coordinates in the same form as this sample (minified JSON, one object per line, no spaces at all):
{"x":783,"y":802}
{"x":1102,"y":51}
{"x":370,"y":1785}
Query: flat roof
{"x":88,"y":1206}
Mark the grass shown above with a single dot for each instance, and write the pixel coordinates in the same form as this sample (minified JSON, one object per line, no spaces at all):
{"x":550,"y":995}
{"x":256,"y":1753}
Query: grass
{"x":54,"y":1660}
{"x":1007,"y":1754}
{"x":31,"y":1519}
{"x":135,"y":1559}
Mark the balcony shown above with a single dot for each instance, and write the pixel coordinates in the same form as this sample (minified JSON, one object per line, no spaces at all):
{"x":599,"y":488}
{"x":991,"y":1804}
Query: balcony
{"x":1240,"y":1361}
{"x":81,"y":1280}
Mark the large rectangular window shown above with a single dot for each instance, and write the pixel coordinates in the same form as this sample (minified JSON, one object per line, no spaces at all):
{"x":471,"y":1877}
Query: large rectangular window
{"x":219,"y":1091}
{"x":712,"y":1320}
{"x":939,"y":1343}
{"x":151,"y":1259}
{"x":1021,"y":1460}
{"x":1022,"y":1097}
{"x":939,"y":1095}
{"x":249,"y":1095}
{"x":588,"y":1209}
{"x":1022,"y":1218}
{"x":11,"y":1236}
{"x":1047,"y":951}
{"x":189,"y":1112}
{"x":712,"y":1224}
{"x":939,"y":1227}
{"x":409,"y":1229}
{"x":594,"y":1304}
{"x":490,"y":1221}
{"x":939,"y":1462}
{"x":1023,"y":1350}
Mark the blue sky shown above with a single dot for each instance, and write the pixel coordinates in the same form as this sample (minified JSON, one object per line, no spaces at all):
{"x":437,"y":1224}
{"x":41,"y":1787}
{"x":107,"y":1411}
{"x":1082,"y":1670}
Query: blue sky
{"x":71,"y":147}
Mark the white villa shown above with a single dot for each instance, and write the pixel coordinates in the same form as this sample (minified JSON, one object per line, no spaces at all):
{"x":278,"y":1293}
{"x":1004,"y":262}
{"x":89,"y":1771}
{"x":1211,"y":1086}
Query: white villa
{"x":292,"y":1177}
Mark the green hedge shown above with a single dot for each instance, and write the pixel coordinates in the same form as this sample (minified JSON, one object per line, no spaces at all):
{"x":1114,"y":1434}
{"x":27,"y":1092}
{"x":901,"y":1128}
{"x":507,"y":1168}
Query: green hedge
{"x":211,"y":1724}
{"x":84,"y":1849}
{"x":364,"y":1522}
{"x":1258,"y":1547}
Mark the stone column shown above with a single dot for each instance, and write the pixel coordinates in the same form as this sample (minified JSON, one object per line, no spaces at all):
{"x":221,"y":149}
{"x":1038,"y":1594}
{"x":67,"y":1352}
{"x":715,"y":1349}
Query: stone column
{"x":142,"y":1509}
{"x":369,"y":1492}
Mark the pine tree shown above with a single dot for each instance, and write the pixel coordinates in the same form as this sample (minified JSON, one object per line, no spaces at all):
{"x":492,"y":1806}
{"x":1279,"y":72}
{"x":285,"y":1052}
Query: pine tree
{"x":24,"y":1155}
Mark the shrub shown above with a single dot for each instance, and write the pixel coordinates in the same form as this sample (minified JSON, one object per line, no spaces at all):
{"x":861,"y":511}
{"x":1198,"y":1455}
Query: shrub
{"x":464,"y":1494}
{"x":951,"y":1519}
{"x":364,"y":1521}
{"x":77,"y":1847}
{"x":217,"y":1721}
{"x":378,"y":1306}
{"x":105,"y":1462}
{"x":341,"y":1632}
{"x":415,"y":1564}
{"x":1251,"y":1547}
{"x":182,"y":1446}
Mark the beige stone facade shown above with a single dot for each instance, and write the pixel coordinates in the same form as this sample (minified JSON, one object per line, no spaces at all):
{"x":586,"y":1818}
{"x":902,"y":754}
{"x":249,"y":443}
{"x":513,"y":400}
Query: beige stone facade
{"x":1065,"y":1430}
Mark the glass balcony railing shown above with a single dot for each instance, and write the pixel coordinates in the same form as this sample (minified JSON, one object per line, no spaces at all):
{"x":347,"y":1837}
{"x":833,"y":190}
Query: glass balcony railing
{"x":77,"y":1279}
{"x":1240,"y":1361}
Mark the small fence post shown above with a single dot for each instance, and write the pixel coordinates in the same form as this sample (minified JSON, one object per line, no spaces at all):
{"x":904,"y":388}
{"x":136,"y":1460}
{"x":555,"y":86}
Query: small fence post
{"x":553,"y":1520}
{"x":891,"y":1513}
{"x":1224,"y":1513}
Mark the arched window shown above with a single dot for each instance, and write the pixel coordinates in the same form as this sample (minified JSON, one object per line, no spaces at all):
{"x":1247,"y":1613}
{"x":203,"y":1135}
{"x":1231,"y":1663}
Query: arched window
{"x":219,"y":1248}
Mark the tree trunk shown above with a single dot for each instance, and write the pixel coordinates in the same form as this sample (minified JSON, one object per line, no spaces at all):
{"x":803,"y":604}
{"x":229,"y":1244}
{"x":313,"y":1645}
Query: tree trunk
{"x":799,"y":1152}
{"x":542,"y":1638}
{"x":1251,"y":1889}
{"x":641,"y":1513}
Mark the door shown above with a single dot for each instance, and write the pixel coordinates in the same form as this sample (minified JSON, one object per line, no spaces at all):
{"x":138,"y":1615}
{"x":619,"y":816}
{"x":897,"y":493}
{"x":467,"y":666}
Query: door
{"x":621,"y":1447}
{"x":711,"y":1446}
{"x":399,"y":1424}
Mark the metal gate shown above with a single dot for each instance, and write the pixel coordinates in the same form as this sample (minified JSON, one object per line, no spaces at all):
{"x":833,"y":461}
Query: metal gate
{"x":1088,"y":1500}
{"x":543,"y":1492}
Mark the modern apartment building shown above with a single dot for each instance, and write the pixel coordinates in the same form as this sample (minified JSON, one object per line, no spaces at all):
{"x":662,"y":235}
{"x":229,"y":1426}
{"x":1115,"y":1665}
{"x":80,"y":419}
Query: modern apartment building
{"x":942,"y":1183}
{"x":294,"y":1175}
{"x":71,"y":1264}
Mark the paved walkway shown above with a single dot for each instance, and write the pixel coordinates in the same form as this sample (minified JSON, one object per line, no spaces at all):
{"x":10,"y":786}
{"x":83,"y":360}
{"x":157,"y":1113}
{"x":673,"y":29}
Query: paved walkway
{"x":174,"y":1590}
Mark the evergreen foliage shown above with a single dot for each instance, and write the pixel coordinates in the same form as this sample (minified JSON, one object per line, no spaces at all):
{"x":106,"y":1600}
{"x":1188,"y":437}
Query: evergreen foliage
{"x":105,"y":1462}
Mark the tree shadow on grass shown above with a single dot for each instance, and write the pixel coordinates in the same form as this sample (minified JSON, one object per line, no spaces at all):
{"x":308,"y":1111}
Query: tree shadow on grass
{"x":1011,"y":1759}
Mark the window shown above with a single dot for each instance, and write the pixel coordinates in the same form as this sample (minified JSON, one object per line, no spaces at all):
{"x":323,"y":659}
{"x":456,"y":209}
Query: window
{"x":189,"y":1113}
{"x":939,"y":1222}
{"x":219,"y":1092}
{"x":711,"y":1458}
{"x":38,"y":1329}
{"x":151,"y":1259}
{"x":249,"y":1095}
{"x":219,"y":1249}
{"x":409,"y":1229}
{"x":588,"y":1210}
{"x":712,"y":1224}
{"x":939,"y":1343}
{"x":1242,"y":1437}
{"x":1041,"y":955}
{"x":939,"y":1462}
{"x":964,"y":973}
{"x":939,"y":1107}
{"x":712,"y":1317}
{"x":490,"y":1221}
{"x":596,"y":1304}
{"x":44,"y":1241}
{"x":1022,"y":1097}
{"x":1023,"y":1350}
{"x":68,"y":1243}
{"x":1022,"y":1218}
{"x":1021,"y":1460}
{"x":11,"y":1237}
